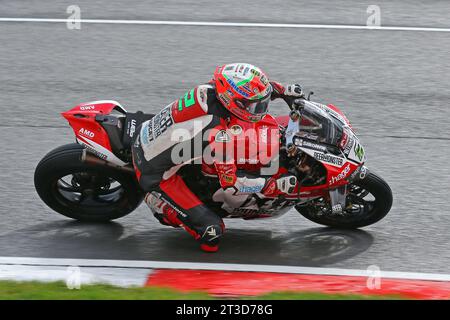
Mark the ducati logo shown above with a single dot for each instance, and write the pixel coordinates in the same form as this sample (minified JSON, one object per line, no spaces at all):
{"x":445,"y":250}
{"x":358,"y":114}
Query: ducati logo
{"x":222,"y":136}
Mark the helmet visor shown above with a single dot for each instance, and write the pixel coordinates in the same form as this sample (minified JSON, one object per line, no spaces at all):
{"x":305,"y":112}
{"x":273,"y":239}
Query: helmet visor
{"x":254,"y":107}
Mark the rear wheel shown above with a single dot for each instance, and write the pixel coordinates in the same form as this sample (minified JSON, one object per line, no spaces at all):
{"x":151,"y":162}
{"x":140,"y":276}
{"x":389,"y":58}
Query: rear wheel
{"x":368,"y":201}
{"x":84,"y":191}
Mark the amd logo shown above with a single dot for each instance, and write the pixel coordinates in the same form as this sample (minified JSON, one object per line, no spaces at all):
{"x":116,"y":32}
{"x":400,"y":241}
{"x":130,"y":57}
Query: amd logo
{"x":86,"y":133}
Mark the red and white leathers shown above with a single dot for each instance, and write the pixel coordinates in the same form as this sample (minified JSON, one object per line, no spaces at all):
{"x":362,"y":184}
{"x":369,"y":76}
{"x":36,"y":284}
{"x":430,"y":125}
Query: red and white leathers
{"x":159,"y":152}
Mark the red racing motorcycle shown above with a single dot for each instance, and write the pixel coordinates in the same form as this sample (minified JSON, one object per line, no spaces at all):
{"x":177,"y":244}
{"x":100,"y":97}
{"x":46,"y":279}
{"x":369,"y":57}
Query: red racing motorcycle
{"x":94,"y":180}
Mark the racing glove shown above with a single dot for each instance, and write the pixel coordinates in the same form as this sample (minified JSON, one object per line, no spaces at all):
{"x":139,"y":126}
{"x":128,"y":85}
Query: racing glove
{"x":288,"y":93}
{"x":285,"y":184}
{"x":293,"y":90}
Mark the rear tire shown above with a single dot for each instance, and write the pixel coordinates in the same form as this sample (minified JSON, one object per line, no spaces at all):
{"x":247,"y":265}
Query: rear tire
{"x":378,"y":208}
{"x":89,"y":195}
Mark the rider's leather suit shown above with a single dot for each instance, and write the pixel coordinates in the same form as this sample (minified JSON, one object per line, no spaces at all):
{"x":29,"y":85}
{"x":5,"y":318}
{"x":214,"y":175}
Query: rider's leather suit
{"x":181,"y":126}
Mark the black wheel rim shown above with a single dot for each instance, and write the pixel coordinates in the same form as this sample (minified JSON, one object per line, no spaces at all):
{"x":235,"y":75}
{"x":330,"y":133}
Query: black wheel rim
{"x":88,"y":190}
{"x":361,"y":204}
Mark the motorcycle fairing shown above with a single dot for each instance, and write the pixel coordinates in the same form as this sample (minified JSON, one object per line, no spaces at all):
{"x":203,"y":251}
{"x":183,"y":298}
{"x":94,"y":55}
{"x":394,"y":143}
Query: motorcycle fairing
{"x":252,"y":206}
{"x":89,"y":132}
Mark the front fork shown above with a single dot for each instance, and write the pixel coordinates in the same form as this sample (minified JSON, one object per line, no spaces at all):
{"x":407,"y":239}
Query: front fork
{"x":338,"y":196}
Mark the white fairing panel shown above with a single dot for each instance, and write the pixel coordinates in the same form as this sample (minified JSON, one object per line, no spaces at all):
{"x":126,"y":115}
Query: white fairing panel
{"x":100,"y":151}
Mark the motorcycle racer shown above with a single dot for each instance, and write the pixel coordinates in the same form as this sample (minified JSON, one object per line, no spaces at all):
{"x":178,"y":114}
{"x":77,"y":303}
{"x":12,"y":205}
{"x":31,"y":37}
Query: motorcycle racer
{"x":237,"y":90}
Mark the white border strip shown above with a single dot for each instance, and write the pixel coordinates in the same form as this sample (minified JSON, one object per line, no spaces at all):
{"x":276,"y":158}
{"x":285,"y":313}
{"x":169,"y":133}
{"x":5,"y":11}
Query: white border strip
{"x":227,"y":24}
{"x":217,"y":267}
{"x":121,"y":277}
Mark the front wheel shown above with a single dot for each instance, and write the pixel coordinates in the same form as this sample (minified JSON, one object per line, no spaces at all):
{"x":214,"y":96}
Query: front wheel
{"x":84,"y":191}
{"x":368,"y":201}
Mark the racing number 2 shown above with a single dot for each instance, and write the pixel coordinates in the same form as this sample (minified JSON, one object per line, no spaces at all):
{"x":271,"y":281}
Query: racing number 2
{"x":188,"y":99}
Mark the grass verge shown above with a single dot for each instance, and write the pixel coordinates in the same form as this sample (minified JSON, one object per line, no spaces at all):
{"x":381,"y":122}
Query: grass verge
{"x":11,"y":290}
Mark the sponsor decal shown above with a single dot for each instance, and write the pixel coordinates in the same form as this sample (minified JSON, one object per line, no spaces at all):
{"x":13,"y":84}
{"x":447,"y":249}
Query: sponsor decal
{"x":254,"y":118}
{"x":340,"y":176}
{"x":144,"y":133}
{"x":87,"y":108}
{"x":230,"y":93}
{"x":328,"y":158}
{"x":362,"y":173}
{"x":359,"y":151}
{"x":307,"y":144}
{"x":247,"y":87}
{"x":181,"y":213}
{"x":132,"y":128}
{"x":349,"y":146}
{"x":255,"y":72}
{"x":228,"y":179}
{"x":157,"y":125}
{"x":347,"y":141}
{"x":86,"y":133}
{"x":236,"y":129}
{"x":237,"y":89}
{"x":222,"y":136}
{"x":251,"y":189}
{"x":224,"y":98}
{"x":189,"y":100}
{"x":249,"y":161}
{"x":95,"y":152}
{"x":264,"y":80}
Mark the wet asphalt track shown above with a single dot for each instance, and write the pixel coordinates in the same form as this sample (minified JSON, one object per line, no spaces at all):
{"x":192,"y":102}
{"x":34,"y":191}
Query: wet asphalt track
{"x":394,"y":87}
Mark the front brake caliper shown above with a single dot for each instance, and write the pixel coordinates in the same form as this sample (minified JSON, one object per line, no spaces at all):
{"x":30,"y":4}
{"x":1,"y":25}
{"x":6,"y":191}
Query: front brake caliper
{"x":338,"y":198}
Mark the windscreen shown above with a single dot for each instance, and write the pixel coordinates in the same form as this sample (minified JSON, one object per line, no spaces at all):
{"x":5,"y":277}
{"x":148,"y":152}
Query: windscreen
{"x":318,"y":123}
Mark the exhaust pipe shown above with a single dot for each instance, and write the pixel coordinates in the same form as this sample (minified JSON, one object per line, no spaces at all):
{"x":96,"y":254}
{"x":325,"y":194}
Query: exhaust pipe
{"x":90,"y":158}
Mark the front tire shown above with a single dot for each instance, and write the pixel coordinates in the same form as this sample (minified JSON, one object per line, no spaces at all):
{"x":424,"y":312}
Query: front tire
{"x":83,"y":191}
{"x":370,"y":211}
